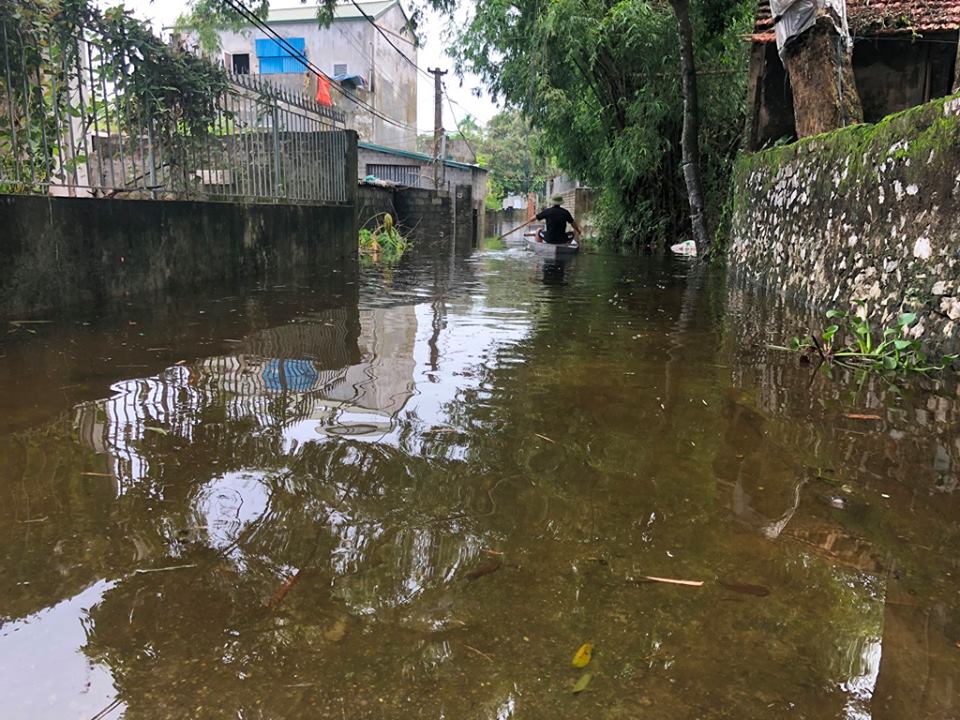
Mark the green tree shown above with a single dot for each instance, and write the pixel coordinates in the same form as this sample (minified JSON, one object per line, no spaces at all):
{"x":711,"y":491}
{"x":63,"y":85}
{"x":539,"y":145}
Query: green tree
{"x":601,"y":81}
{"x":513,"y":154}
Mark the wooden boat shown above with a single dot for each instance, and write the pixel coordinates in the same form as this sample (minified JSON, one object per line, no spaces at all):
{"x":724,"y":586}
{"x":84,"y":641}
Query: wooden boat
{"x":544,"y":249}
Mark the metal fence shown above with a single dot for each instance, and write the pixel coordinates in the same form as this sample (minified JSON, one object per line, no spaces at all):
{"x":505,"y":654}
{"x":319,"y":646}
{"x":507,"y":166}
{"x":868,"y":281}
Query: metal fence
{"x":69,"y":126}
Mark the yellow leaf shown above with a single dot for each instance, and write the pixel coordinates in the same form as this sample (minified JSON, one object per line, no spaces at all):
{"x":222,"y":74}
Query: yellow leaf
{"x":582,"y":657}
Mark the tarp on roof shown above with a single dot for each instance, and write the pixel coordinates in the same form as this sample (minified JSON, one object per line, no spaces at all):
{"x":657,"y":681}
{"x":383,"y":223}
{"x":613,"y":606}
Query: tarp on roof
{"x":355,"y":81}
{"x":792,"y":18}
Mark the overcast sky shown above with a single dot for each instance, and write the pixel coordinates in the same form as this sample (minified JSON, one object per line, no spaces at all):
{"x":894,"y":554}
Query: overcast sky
{"x":162,"y":13}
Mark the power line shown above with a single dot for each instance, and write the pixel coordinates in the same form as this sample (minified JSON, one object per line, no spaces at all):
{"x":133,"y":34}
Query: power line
{"x":457,"y":123}
{"x":389,"y":41}
{"x":423,"y":72}
{"x":250,"y":17}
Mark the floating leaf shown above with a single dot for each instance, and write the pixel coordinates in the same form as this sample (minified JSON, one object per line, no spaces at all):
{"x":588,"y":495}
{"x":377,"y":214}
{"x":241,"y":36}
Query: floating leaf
{"x":582,"y":657}
{"x":582,"y":683}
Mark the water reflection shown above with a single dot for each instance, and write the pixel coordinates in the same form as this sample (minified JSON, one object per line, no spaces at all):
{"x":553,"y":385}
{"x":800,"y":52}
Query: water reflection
{"x":421,"y":501}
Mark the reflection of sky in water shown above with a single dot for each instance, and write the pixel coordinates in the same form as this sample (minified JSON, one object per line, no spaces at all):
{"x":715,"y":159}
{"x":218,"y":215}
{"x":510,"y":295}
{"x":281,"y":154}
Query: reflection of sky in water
{"x":53,"y":638}
{"x":862,"y":673}
{"x":227,"y":504}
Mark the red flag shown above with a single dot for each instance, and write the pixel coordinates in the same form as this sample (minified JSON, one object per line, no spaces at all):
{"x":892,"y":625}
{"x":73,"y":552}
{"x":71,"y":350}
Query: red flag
{"x":323,"y":91}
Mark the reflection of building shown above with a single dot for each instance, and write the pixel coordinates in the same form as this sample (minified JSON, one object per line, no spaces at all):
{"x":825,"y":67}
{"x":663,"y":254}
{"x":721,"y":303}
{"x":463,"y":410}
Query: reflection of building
{"x":307,"y":380}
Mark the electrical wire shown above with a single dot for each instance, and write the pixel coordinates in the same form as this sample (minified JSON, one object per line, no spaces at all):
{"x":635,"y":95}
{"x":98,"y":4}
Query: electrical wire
{"x":390,"y":42}
{"x":423,"y":72}
{"x":457,"y":123}
{"x":250,"y":17}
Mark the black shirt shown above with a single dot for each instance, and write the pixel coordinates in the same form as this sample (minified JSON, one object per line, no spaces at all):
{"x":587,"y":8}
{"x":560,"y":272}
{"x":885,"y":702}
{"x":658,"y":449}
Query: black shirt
{"x":556,"y":218}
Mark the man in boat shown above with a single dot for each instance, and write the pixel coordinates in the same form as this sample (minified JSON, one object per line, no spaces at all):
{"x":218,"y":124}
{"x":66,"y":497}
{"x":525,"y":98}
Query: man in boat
{"x":556,"y":219}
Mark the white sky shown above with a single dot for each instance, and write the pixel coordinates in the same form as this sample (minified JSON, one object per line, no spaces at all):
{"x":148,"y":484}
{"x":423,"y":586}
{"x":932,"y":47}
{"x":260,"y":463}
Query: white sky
{"x":430,"y":55}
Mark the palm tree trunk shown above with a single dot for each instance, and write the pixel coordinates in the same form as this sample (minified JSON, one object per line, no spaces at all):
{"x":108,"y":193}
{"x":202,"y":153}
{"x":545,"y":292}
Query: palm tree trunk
{"x":690,"y":137}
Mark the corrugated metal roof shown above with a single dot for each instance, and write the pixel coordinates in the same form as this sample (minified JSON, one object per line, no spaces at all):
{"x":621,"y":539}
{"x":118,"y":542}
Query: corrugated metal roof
{"x":342,"y":11}
{"x":869,"y":18}
{"x":422,"y":157}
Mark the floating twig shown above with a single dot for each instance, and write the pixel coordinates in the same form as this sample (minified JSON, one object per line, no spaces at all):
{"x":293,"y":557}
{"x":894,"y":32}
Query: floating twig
{"x":108,"y":709}
{"x":860,"y":416}
{"x":144,"y":571}
{"x":287,"y":586}
{"x":673,"y":581}
{"x":478,"y":652}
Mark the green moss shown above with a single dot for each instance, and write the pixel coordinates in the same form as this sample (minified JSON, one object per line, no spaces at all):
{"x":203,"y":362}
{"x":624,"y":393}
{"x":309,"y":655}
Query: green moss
{"x":926,"y":129}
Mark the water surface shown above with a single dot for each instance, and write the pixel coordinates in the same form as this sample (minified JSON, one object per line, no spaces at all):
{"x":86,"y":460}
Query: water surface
{"x":416,"y":493}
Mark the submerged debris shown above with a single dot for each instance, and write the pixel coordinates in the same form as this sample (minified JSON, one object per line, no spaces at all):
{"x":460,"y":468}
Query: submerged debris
{"x":485,"y":568}
{"x":745,"y":588}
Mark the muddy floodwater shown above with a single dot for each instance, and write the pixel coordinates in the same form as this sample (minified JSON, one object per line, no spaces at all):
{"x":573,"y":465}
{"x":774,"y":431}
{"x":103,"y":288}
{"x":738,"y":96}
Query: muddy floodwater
{"x":415,"y":492}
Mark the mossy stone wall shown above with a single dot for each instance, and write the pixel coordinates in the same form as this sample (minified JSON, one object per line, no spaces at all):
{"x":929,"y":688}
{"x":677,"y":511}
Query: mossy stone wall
{"x":869,"y":214}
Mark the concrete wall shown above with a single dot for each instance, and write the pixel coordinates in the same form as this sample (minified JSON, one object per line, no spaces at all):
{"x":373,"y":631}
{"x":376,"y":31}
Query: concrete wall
{"x":372,"y":203}
{"x":867,"y":213}
{"x":430,"y":217}
{"x":357,"y":44}
{"x":59,"y":252}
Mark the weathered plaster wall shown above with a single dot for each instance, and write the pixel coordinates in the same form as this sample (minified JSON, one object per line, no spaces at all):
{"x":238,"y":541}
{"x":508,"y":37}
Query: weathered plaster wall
{"x":59,"y":252}
{"x":869,"y":213}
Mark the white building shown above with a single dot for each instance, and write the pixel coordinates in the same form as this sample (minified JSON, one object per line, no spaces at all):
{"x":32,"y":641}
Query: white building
{"x":355,"y":54}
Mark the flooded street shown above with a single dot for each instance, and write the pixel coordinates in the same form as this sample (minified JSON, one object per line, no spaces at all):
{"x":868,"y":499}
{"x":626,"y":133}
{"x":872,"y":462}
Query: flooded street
{"x":414,"y":493}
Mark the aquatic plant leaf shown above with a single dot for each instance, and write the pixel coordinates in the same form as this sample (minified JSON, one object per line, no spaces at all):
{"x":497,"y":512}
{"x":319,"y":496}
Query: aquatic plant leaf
{"x":582,"y":656}
{"x":582,"y":683}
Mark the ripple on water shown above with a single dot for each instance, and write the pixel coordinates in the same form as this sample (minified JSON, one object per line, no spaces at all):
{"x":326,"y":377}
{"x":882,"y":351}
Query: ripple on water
{"x":418,"y":496}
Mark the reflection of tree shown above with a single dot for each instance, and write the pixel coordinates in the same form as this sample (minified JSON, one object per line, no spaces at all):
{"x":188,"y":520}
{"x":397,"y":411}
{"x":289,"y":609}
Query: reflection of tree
{"x":332,"y":572}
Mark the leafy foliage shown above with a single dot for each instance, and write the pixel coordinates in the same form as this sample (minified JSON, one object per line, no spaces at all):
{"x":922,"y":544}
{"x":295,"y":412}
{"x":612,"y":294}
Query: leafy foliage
{"x":149,"y":79}
{"x":514,"y":155}
{"x":858,"y":349}
{"x":384,"y":243}
{"x":601,"y":82}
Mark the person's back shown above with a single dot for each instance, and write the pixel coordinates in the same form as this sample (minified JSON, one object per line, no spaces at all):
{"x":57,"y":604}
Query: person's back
{"x":556,"y":219}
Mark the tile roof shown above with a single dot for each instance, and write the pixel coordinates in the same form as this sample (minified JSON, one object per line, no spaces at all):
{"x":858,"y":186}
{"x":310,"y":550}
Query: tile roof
{"x":880,"y":17}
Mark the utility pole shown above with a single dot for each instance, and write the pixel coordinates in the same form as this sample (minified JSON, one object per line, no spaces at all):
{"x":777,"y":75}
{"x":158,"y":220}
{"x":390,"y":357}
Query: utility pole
{"x":437,"y":122}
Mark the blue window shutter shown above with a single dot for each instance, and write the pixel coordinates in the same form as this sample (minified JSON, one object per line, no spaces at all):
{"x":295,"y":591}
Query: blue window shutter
{"x":268,"y":48}
{"x":271,"y":65}
{"x":276,"y":57}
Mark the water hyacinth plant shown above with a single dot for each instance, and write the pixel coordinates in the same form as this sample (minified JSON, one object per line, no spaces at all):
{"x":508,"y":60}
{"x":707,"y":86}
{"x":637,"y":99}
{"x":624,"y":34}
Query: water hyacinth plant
{"x":849,"y":342}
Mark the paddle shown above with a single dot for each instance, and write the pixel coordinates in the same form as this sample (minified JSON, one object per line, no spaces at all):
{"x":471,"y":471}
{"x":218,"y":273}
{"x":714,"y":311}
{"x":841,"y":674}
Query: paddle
{"x":508,"y":232}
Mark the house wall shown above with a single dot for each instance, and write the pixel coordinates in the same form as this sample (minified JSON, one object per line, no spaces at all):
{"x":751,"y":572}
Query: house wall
{"x":772,"y":97}
{"x":357,"y":44}
{"x":395,"y":84}
{"x":866,"y":214}
{"x":474,"y":177}
{"x":892,"y":74}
